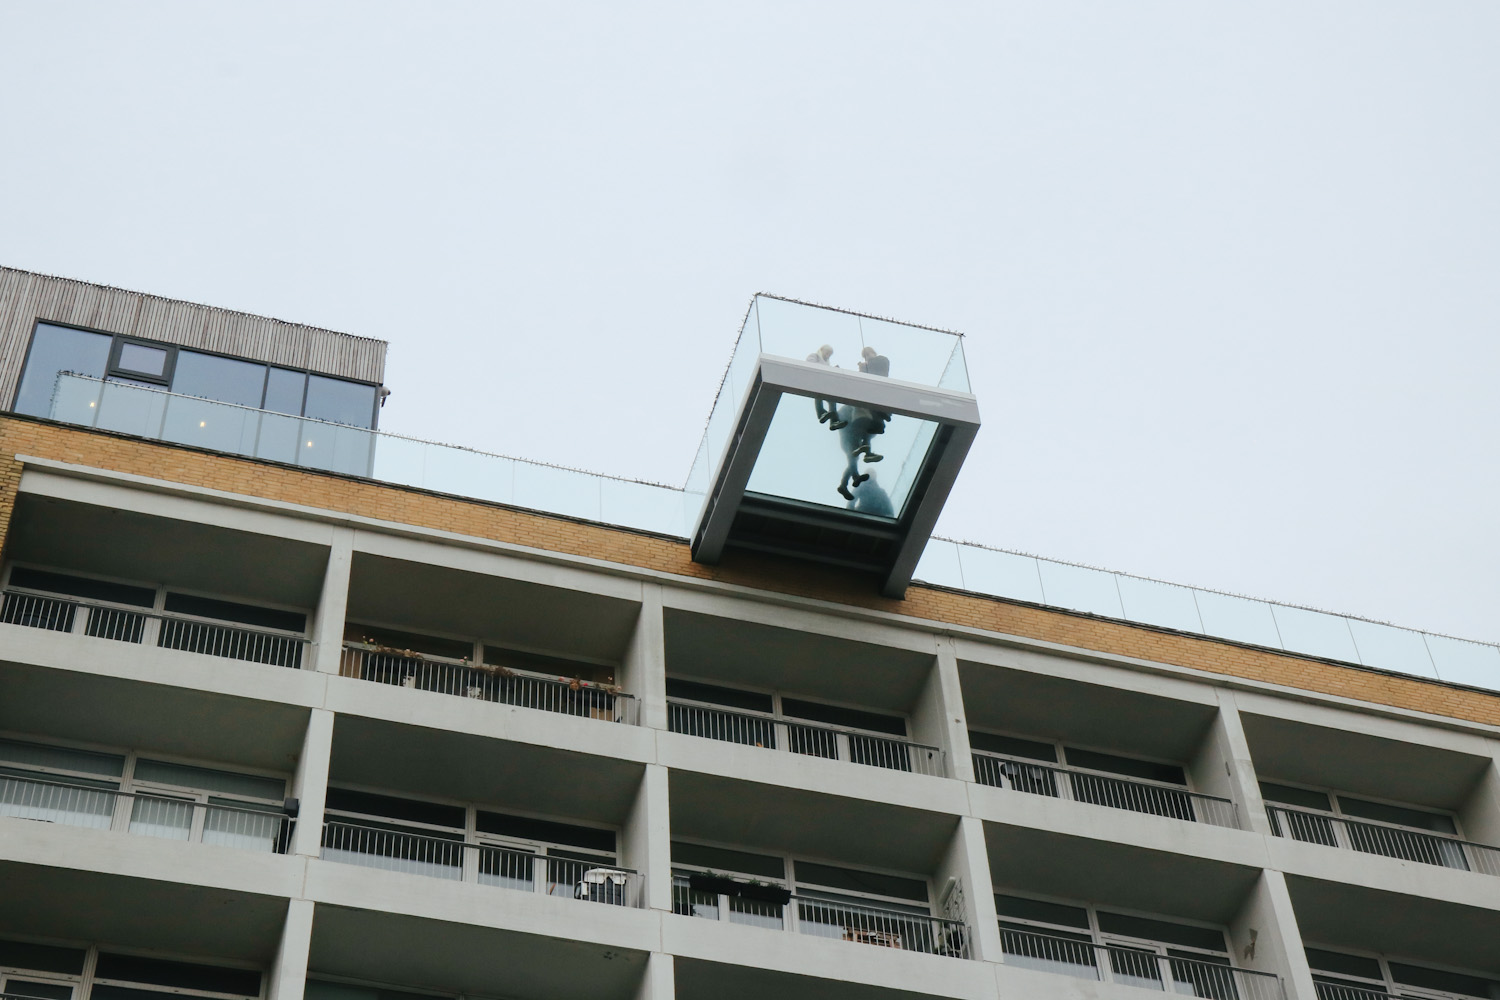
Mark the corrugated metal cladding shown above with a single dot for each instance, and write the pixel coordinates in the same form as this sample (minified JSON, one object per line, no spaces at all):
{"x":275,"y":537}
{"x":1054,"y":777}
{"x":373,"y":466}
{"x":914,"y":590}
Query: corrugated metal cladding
{"x":26,"y":297}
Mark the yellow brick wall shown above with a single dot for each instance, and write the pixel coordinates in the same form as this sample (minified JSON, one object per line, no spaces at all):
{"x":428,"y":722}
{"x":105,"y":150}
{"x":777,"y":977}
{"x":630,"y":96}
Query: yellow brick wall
{"x":19,"y":436}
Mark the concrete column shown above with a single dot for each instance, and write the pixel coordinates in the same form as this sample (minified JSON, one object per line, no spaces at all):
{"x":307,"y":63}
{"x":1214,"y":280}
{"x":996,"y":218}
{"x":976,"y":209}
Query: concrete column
{"x":644,"y":672}
{"x":289,"y":971}
{"x":647,"y":839}
{"x":1479,"y":815}
{"x":938,"y":717}
{"x":1264,"y":936}
{"x":333,"y":604}
{"x":1222,"y":766}
{"x":659,"y":981}
{"x":310,"y":784}
{"x":965,"y":869}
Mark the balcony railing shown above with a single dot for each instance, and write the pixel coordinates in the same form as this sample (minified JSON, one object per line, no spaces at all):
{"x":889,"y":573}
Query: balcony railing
{"x":812,"y":739}
{"x":152,"y":628}
{"x":486,"y":864}
{"x":487,"y":682}
{"x":1102,"y":789}
{"x":829,"y":918}
{"x":1388,"y":839}
{"x":1136,"y":967}
{"x":144,"y":814}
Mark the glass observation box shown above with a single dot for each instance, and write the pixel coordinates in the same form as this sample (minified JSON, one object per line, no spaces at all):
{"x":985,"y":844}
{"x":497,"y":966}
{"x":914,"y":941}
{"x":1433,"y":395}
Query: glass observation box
{"x":835,"y":437}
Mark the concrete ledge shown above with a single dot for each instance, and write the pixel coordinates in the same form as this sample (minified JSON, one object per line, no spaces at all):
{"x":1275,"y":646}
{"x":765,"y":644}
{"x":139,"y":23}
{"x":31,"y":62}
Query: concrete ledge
{"x":113,"y":852}
{"x":824,"y":958}
{"x":494,"y":907}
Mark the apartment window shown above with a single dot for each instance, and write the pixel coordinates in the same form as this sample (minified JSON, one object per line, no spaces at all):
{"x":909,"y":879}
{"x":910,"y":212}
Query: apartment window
{"x":1087,"y":942}
{"x":57,"y":349}
{"x":146,"y":796}
{"x":1094,"y":776}
{"x":776,"y":721}
{"x":462,"y":842}
{"x":850,"y":904}
{"x":1333,"y":819}
{"x":53,"y":972}
{"x":324,"y":989}
{"x":1339,"y":974}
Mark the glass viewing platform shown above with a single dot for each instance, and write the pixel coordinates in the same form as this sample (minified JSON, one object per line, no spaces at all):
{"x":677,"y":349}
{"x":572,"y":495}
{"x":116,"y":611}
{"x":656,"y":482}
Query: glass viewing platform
{"x":835,"y":437}
{"x":667,"y":511}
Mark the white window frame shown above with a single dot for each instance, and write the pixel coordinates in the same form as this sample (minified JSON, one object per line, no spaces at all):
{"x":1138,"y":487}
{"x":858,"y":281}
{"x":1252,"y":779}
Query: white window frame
{"x":1339,"y":813}
{"x":1388,"y":982}
{"x":781,"y":720}
{"x":84,"y":982}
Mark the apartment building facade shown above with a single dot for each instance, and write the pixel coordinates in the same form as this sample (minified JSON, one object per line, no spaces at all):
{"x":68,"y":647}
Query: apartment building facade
{"x":277,"y":725}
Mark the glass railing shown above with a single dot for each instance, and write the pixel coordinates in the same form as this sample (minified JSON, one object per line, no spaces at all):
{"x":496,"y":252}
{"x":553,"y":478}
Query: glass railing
{"x":802,"y":332}
{"x":464,"y":472}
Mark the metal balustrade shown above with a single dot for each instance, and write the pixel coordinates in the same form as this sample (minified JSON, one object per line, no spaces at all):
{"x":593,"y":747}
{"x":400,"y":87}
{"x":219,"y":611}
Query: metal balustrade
{"x":153,"y":628}
{"x":145,"y":814}
{"x":1102,"y":789}
{"x":1388,"y":839}
{"x":811,"y":739}
{"x":487,"y":682}
{"x":830,"y":918}
{"x":447,"y":857}
{"x":1338,"y":991}
{"x":1170,"y":973}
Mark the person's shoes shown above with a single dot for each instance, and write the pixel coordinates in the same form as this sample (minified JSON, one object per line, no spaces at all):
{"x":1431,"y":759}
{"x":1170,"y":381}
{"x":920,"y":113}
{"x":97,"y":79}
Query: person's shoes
{"x":824,"y":417}
{"x":870,"y":456}
{"x":844,"y":492}
{"x":838,"y":425}
{"x":856,"y":480}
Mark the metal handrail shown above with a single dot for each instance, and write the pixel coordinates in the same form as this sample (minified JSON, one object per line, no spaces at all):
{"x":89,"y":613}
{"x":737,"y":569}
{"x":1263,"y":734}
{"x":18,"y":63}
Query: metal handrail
{"x":838,"y":919}
{"x":1135,"y":966}
{"x":813,"y":739}
{"x":488,"y":682}
{"x":166,"y":629}
{"x":1390,"y":840}
{"x":457,"y":860}
{"x":1082,"y":784}
{"x":90,"y":806}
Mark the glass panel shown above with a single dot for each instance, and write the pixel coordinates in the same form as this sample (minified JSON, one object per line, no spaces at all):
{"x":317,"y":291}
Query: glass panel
{"x":802,"y":460}
{"x":62,"y":758}
{"x":205,"y":424}
{"x":1004,"y":574}
{"x":792,"y":330}
{"x":334,"y":448}
{"x":32,"y":988}
{"x":279,"y":438}
{"x":57,"y":349}
{"x":956,"y":375}
{"x":77,"y":802}
{"x":339,"y":401}
{"x":1390,"y":648}
{"x":1238,"y":618}
{"x":142,"y":359}
{"x":1161,"y":604}
{"x":41,"y":957}
{"x":506,"y":868}
{"x":131,"y":409}
{"x":1315,"y":633}
{"x":76,"y":400}
{"x":170,"y":819}
{"x":182,"y":975}
{"x":209,"y":779}
{"x":225,"y":379}
{"x":1165,"y":931}
{"x":247,"y":827}
{"x":1080,"y":588}
{"x":651,"y":508}
{"x":940,"y":564}
{"x":1062,"y":954}
{"x":1463,"y":662}
{"x":284,"y":391}
{"x":559,"y":491}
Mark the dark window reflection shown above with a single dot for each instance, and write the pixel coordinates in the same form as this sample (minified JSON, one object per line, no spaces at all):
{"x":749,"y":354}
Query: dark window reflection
{"x":340,"y":402}
{"x":58,"y":349}
{"x":223,"y":379}
{"x":284,"y":390}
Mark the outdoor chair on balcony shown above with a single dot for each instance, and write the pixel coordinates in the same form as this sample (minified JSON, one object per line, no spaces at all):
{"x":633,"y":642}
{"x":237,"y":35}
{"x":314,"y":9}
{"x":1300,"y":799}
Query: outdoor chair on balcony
{"x":602,"y":885}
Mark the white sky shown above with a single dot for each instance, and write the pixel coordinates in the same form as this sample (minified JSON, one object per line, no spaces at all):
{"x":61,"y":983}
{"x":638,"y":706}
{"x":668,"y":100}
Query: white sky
{"x":1229,"y":272}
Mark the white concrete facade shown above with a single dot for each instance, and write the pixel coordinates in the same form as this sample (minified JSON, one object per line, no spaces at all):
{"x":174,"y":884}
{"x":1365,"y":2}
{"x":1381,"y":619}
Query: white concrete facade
{"x":966,"y":839}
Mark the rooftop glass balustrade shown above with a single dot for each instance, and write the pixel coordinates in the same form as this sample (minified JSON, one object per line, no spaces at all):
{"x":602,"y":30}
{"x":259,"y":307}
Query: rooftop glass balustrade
{"x":404,"y":461}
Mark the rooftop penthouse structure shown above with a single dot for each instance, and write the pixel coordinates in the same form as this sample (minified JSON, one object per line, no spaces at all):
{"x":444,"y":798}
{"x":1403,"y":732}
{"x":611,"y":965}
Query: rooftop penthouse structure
{"x":292,"y":707}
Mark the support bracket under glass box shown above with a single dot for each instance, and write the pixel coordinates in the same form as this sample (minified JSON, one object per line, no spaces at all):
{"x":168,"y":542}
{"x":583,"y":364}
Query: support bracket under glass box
{"x":845,"y":466}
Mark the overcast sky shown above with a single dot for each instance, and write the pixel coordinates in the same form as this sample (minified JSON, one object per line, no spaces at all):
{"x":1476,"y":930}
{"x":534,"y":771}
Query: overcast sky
{"x":1230,"y":274}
